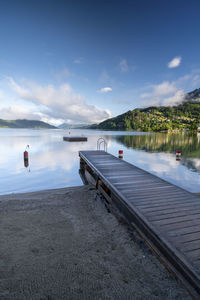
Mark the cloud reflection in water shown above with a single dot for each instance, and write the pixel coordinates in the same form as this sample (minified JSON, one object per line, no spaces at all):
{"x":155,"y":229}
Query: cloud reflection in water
{"x":55,"y":163}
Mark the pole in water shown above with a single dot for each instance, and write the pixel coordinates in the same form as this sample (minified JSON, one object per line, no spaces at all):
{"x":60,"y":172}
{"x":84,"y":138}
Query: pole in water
{"x":26,"y":162}
{"x":120,"y":154}
{"x":178,"y":155}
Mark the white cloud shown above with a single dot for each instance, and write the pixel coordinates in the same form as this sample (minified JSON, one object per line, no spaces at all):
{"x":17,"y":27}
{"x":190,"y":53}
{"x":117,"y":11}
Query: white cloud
{"x":123,"y":66}
{"x":170,"y":93}
{"x":175,"y":62}
{"x":165,"y":93}
{"x":18,"y":112}
{"x":176,"y":98}
{"x":58,"y":103}
{"x":164,"y":88}
{"x":105,"y":90}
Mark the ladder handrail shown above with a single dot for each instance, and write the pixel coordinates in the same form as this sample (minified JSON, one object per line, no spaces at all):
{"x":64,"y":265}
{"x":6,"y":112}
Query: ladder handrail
{"x":101,"y":141}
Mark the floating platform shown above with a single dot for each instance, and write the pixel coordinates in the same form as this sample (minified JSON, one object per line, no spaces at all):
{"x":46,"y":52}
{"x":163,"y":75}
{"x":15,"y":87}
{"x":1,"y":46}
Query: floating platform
{"x":75,"y":138}
{"x":165,"y":215}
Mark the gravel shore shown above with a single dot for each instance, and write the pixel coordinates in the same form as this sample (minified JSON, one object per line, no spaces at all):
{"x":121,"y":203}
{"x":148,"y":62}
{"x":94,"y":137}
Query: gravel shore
{"x":64,"y":244}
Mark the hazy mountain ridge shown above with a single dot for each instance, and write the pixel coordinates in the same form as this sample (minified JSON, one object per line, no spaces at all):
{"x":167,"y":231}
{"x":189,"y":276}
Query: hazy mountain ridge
{"x":72,"y":126}
{"x":25,"y":124}
{"x":185,"y":116}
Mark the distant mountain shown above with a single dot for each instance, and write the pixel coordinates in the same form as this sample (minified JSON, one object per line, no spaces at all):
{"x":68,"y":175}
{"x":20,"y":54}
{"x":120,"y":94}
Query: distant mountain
{"x":63,"y":126}
{"x":72,"y":126}
{"x":185,"y":116}
{"x":193,"y":96}
{"x":25,"y":124}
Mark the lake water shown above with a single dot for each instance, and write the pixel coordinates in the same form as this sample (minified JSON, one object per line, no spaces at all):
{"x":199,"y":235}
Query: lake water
{"x":54,"y":163}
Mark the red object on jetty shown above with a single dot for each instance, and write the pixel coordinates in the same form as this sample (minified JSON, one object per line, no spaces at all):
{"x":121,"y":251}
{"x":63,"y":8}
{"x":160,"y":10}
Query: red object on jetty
{"x":120,"y":154}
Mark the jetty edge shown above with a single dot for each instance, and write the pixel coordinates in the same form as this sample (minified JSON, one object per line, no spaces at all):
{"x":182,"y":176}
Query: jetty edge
{"x":166,"y":216}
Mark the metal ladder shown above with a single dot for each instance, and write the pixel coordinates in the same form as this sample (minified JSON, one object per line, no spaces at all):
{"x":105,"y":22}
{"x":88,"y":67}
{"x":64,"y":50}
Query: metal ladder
{"x":101,"y":141}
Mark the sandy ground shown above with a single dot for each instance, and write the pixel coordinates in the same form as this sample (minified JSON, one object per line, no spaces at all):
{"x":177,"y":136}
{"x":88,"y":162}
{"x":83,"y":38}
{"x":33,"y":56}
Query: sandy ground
{"x":63,"y":244}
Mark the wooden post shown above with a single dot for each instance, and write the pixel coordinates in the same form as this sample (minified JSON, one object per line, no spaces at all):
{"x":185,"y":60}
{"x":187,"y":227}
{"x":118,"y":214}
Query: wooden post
{"x":82,"y":164}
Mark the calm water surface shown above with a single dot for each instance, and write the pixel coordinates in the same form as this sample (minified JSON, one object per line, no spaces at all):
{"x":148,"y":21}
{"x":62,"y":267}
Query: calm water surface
{"x":54,"y":163}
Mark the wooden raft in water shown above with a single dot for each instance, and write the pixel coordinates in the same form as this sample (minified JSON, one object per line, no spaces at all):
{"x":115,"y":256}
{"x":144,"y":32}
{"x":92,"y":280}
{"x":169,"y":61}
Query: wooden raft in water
{"x":168,"y":217}
{"x":75,"y":138}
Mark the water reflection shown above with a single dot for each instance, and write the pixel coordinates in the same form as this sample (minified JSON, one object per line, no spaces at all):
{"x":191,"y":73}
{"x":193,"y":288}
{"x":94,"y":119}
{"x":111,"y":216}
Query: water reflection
{"x":55,"y":163}
{"x":187,"y":144}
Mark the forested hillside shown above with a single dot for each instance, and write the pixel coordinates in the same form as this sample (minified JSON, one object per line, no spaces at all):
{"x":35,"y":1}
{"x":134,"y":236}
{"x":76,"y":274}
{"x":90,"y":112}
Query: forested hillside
{"x":162,"y":118}
{"x":24,"y":124}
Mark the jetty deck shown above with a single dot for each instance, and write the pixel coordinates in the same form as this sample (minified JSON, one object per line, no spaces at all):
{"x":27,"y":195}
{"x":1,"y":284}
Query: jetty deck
{"x":167,"y":216}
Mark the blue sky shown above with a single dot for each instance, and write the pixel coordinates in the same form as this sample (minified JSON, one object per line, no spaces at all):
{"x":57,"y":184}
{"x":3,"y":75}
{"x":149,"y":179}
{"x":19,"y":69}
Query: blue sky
{"x":84,"y":61}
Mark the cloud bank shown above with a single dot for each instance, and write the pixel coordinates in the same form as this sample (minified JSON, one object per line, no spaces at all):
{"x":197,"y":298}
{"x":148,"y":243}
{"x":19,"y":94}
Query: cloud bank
{"x":175,"y":62}
{"x":164,"y":94}
{"x":56,"y":103}
{"x":18,"y":112}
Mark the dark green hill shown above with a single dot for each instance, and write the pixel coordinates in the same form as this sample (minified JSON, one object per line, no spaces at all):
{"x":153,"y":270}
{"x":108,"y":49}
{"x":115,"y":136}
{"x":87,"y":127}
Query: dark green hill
{"x":162,"y":118}
{"x":25,"y":124}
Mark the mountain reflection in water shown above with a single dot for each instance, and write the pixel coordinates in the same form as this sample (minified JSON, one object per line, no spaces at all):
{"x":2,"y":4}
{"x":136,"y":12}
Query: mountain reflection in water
{"x":188,"y":144}
{"x":55,"y":163}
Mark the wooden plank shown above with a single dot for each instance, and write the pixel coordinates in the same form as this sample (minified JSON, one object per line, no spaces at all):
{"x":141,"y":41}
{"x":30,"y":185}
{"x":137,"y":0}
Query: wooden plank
{"x":111,"y":172}
{"x":172,"y":212}
{"x":185,"y":230}
{"x":177,"y":201}
{"x":151,"y":189}
{"x":194,"y":245}
{"x":140,"y":184}
{"x":160,"y":200}
{"x":135,"y":180}
{"x":192,"y":254}
{"x":120,"y":176}
{"x":154,"y":217}
{"x":179,"y":204}
{"x":174,"y":221}
{"x":190,"y":237}
{"x":169,"y":190}
{"x":175,"y":226}
{"x":151,"y":192}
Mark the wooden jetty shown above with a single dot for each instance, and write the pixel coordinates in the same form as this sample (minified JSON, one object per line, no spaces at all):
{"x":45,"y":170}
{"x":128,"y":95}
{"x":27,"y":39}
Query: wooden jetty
{"x":75,"y":138}
{"x":166,"y":216}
